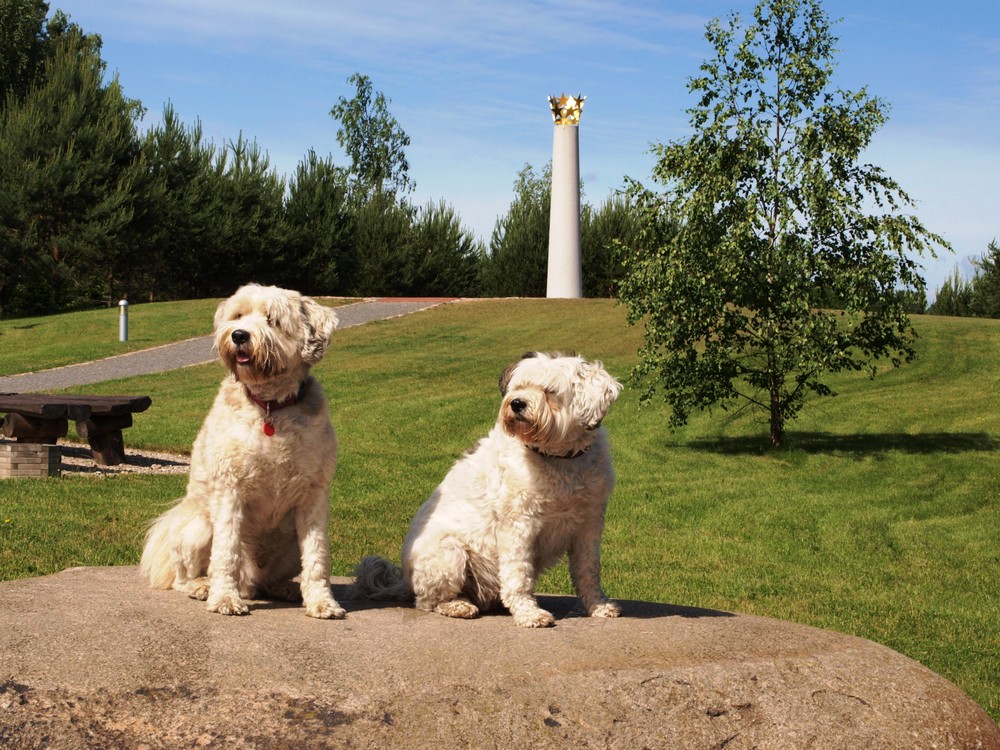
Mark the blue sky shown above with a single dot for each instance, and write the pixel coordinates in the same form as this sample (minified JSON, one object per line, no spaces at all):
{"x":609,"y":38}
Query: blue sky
{"x":468,"y":83}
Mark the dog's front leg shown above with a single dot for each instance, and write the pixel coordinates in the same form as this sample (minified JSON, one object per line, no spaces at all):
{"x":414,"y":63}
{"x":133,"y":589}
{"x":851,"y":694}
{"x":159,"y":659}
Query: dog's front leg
{"x":224,"y":563}
{"x":314,"y":544}
{"x":515,"y":545}
{"x":585,"y":570}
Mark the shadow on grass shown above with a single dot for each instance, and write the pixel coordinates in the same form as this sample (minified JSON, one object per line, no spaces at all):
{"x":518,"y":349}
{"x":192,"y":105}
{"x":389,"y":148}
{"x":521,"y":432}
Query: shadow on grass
{"x":860,"y":445}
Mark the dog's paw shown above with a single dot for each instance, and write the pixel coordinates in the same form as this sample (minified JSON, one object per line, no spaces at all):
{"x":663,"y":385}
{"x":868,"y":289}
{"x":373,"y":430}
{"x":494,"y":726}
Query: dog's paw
{"x":196,"y":589}
{"x":326,"y":610}
{"x":461,"y":608}
{"x":227,"y":604}
{"x":534,"y":618}
{"x":606,"y":609}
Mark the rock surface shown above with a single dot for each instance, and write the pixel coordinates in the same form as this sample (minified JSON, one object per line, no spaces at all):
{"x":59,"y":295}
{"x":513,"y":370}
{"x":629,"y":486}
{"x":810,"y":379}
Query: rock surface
{"x":89,"y":658}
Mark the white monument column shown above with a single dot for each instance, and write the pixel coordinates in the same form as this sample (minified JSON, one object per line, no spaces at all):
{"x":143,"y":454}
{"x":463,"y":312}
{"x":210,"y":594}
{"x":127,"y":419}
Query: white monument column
{"x":565,"y":274}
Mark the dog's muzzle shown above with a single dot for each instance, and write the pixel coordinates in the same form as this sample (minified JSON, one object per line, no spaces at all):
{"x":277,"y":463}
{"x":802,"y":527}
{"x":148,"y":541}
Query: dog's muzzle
{"x":240,"y":338}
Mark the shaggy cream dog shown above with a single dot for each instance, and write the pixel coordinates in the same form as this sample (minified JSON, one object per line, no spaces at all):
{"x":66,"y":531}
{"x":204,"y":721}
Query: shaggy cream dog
{"x":255,"y":513}
{"x":534,"y":489}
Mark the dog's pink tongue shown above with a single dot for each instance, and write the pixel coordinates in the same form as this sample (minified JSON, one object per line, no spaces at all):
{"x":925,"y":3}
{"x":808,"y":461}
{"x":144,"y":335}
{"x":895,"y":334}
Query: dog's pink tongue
{"x":242,"y":359}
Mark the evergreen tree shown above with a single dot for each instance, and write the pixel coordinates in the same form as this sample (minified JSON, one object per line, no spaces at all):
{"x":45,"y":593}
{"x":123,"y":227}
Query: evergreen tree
{"x":180,"y":223}
{"x":443,"y":257}
{"x":245,"y":242}
{"x":954,"y":297}
{"x":382,"y":231}
{"x":517,"y":263}
{"x":985,"y":294}
{"x":379,"y":181}
{"x":319,"y":247}
{"x":70,"y":153}
{"x":23,"y":45}
{"x":613,"y":225}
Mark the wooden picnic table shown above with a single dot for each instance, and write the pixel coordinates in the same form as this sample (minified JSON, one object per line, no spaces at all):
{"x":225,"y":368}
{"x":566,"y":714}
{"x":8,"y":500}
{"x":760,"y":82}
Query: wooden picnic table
{"x":44,"y":418}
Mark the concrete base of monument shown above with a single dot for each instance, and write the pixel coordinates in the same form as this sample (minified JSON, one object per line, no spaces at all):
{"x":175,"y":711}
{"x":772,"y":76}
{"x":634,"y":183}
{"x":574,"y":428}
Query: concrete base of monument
{"x":90,"y":658}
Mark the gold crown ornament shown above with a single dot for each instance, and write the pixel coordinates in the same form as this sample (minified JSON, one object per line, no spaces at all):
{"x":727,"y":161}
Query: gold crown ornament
{"x":566,"y":109}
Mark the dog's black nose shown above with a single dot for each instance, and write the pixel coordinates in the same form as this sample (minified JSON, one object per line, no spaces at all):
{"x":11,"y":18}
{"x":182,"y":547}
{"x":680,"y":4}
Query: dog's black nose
{"x":518,"y":405}
{"x":240,"y":337}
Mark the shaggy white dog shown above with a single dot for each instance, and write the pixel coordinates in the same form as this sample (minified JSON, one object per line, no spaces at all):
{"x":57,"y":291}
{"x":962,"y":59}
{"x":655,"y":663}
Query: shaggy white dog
{"x":534,"y":489}
{"x":257,"y":503}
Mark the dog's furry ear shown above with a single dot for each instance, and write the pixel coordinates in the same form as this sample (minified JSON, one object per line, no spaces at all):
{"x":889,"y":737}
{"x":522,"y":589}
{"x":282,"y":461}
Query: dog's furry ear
{"x":508,"y":373}
{"x":318,"y":324}
{"x":219,"y":314}
{"x":596,"y":390}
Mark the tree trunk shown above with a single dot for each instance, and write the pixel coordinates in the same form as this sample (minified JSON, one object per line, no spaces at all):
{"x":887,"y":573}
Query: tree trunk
{"x":777,"y":420}
{"x":775,"y":381}
{"x":777,"y":423}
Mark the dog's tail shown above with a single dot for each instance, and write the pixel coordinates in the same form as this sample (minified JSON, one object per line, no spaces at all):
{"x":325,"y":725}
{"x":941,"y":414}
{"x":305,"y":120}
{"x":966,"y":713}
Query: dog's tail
{"x":179,"y":529}
{"x":155,"y":565}
{"x":377,"y":578}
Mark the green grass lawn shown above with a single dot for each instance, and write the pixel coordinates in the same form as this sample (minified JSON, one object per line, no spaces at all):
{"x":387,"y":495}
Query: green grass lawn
{"x":880,"y":519}
{"x":30,"y":344}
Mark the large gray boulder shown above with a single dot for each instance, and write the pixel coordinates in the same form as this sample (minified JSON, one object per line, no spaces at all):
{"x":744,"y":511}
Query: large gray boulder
{"x":90,"y":658}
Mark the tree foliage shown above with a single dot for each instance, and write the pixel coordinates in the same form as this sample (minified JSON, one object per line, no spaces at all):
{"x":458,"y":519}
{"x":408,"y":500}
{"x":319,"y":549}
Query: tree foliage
{"x":602,"y":230}
{"x":954,"y":297}
{"x":443,"y":257}
{"x":373,"y":139}
{"x":986,"y":283}
{"x":518,"y":255}
{"x":398,"y":248}
{"x":23,"y":43}
{"x":978,"y":297}
{"x":180,"y":223}
{"x":516,"y":264}
{"x":319,"y":227}
{"x":381,"y":233}
{"x":248,"y":209}
{"x":765,"y":210}
{"x":70,"y":156}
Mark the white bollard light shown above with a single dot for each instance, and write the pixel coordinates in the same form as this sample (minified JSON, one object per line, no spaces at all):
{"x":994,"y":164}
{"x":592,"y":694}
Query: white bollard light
{"x":123,"y":320}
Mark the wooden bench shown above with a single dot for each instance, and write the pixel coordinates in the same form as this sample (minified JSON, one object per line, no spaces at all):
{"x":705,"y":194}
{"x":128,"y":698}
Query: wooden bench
{"x":44,"y":418}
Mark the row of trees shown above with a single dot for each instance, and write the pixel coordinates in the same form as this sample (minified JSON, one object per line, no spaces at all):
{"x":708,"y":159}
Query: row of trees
{"x":978,"y":297}
{"x":92,"y":210}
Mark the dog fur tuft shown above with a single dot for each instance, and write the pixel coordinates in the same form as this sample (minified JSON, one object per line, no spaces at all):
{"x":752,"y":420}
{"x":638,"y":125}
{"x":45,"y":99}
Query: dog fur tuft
{"x":378,"y":579}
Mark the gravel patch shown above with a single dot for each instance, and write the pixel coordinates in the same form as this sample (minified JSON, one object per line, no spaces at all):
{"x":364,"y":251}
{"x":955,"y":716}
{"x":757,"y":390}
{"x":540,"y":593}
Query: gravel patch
{"x":77,"y":459}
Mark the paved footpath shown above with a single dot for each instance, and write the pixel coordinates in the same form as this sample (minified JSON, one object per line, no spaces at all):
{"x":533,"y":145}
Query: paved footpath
{"x":194,"y":351}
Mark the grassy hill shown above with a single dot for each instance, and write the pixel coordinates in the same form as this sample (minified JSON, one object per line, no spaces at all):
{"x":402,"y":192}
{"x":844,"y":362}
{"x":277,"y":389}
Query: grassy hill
{"x":881,"y":518}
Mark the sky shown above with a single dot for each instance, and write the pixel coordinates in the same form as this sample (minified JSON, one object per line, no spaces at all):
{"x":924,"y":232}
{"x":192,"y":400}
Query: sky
{"x":468,"y":81}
